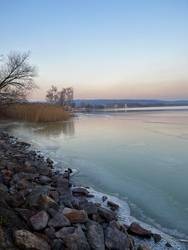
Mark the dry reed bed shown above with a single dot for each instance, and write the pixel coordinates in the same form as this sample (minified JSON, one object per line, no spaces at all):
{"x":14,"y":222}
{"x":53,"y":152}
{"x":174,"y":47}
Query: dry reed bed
{"x":35,"y":112}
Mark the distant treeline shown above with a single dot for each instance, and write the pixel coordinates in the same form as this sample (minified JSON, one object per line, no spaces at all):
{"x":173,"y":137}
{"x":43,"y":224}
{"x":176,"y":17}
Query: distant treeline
{"x":112,"y":103}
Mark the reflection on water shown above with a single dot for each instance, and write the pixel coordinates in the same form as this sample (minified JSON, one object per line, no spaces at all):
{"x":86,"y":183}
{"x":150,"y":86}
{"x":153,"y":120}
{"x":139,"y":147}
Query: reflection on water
{"x":56,"y":129}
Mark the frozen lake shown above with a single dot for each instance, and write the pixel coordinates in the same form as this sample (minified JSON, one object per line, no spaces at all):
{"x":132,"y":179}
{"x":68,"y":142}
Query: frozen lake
{"x":141,"y":157}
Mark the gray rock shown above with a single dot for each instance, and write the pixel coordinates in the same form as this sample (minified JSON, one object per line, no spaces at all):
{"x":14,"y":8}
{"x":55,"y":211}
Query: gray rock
{"x":44,"y":180}
{"x":116,"y":240}
{"x":27,"y":240}
{"x":157,"y":237}
{"x":104,"y":198}
{"x":64,"y":232}
{"x":54,"y":197}
{"x":43,"y":168}
{"x":3,"y":188}
{"x":106,"y":214}
{"x":95,"y":235}
{"x":60,"y":181}
{"x":18,"y":199}
{"x":50,"y":232}
{"x":77,"y":240}
{"x":25,"y":213}
{"x":57,"y":244}
{"x":90,"y":208}
{"x":39,"y":221}
{"x":143,"y":247}
{"x":33,"y":198}
{"x":13,"y":166}
{"x":26,"y":176}
{"x":59,"y":220}
{"x":79,"y":191}
{"x":23,"y":184}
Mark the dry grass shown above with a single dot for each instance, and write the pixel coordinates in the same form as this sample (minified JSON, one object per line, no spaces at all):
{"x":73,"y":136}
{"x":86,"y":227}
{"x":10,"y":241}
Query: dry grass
{"x":35,"y":112}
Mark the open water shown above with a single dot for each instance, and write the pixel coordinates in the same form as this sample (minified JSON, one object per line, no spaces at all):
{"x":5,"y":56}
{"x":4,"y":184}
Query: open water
{"x":139,"y":156}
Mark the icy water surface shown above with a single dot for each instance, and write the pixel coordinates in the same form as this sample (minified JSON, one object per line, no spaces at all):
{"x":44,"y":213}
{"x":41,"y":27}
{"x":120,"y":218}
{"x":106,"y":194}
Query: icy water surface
{"x":141,"y":157}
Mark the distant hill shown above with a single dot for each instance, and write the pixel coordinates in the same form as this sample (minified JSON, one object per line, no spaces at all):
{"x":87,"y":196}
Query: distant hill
{"x":131,"y":102}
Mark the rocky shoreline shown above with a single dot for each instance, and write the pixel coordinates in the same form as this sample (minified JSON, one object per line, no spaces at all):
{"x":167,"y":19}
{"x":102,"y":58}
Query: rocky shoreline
{"x":41,"y":209}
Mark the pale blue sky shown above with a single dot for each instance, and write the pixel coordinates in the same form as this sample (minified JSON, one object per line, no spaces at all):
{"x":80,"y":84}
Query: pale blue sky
{"x":102,"y":48}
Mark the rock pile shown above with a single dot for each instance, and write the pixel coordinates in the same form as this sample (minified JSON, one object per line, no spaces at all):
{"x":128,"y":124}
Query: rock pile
{"x":40,"y":209}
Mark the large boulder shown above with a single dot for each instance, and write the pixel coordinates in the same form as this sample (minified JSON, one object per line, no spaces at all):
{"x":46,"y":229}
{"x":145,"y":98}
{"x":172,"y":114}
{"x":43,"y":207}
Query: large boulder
{"x":27,"y":240}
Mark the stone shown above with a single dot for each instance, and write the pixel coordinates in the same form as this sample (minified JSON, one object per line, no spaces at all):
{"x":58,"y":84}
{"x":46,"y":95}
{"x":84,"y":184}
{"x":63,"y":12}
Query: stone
{"x":77,"y":240}
{"x":80,"y":191}
{"x":75,"y":216}
{"x":16,"y":200}
{"x":63,"y":191}
{"x":25,"y":213}
{"x":95,"y":235}
{"x":44,"y":180}
{"x":54,"y":193}
{"x":143,"y":247}
{"x":26,"y":176}
{"x":45,"y":202}
{"x":33,"y":198}
{"x":39,"y":220}
{"x":13,"y":166}
{"x":59,"y":220}
{"x":90,"y":208}
{"x":3,"y":188}
{"x":56,"y":244}
{"x":23,"y":184}
{"x":66,"y":200}
{"x":157,"y":237}
{"x":137,"y":229}
{"x":64,"y":232}
{"x":106,"y":214}
{"x":53,"y":197}
{"x":43,"y":169}
{"x":168,"y":244}
{"x":52,"y":212}
{"x":115,"y":239}
{"x":113,"y":206}
{"x":61,"y":182}
{"x":50,"y":232}
{"x":27,"y":240}
{"x":104,"y":198}
{"x":7,"y":176}
{"x":43,"y":236}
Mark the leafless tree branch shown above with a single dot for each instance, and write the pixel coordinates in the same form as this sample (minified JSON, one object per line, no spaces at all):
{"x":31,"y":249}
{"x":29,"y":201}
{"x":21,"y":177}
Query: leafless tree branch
{"x":16,"y":76}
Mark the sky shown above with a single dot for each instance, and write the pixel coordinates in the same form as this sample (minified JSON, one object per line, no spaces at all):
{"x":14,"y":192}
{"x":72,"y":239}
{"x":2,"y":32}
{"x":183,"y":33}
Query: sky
{"x":104,"y":49}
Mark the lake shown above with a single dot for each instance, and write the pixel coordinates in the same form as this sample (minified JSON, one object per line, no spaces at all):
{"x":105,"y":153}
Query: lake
{"x":137,"y":155}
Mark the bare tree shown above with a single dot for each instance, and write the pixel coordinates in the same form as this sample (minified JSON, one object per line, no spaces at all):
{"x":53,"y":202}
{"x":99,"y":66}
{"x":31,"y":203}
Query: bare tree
{"x":63,"y":97}
{"x":16,"y":77}
{"x":52,"y":95}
